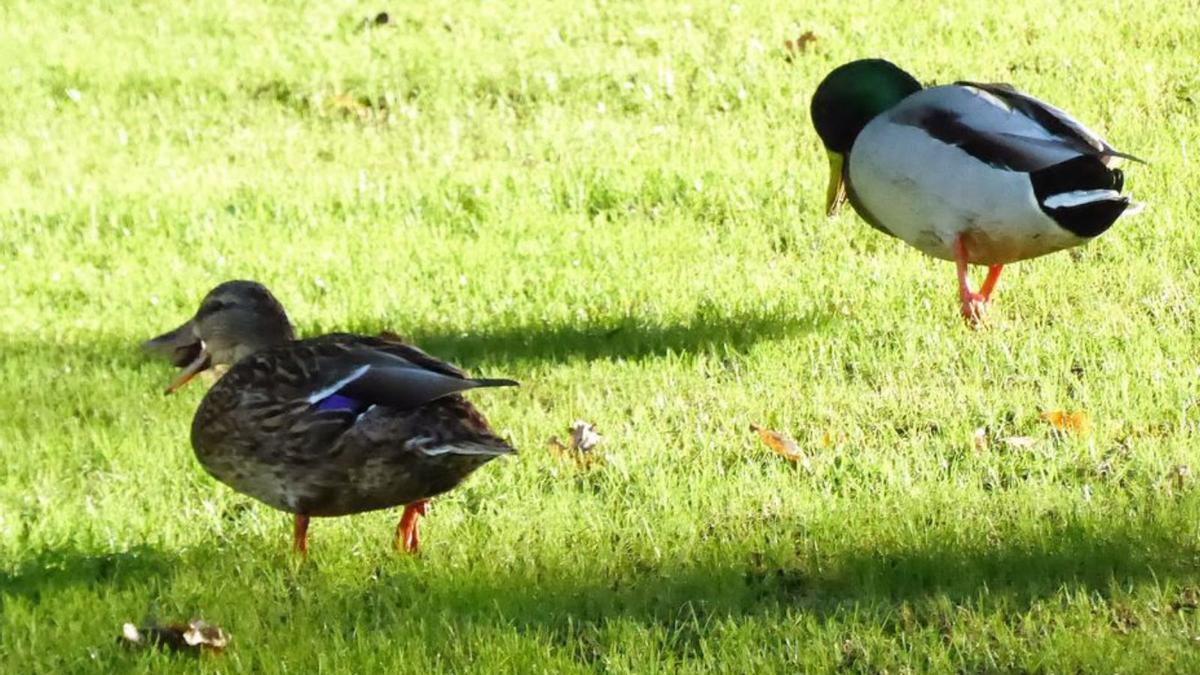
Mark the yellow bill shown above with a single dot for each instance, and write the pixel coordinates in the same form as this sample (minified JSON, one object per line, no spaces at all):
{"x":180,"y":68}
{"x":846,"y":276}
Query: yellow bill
{"x":836,"y":194}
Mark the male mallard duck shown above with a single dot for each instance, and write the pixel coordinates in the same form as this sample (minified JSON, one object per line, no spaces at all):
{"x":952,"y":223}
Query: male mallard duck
{"x":326,"y":426}
{"x":974,"y":173}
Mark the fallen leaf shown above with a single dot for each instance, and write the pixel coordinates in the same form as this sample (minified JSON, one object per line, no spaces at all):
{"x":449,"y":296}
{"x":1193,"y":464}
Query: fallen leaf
{"x":1123,"y":619}
{"x":346,"y":103}
{"x":358,"y":107}
{"x":783,"y":445}
{"x":979,"y":439}
{"x":195,"y":636}
{"x":581,"y":443}
{"x":827,"y":440}
{"x":1069,"y":422}
{"x":1181,"y":474}
{"x":584,"y":436}
{"x":1019,"y":442}
{"x":799,"y":45}
{"x":1188,"y":600}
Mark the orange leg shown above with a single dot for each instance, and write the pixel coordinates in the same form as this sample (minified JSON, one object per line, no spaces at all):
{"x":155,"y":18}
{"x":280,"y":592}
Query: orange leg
{"x":989,"y":284}
{"x":407,"y":538}
{"x":300,"y":534}
{"x":974,"y":305}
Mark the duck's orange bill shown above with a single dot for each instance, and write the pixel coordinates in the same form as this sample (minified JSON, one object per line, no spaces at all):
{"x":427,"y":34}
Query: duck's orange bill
{"x":191,"y":370}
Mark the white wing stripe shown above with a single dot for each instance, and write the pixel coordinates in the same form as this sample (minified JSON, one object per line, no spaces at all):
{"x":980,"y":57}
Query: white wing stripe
{"x":465,"y":449}
{"x":333,"y":388}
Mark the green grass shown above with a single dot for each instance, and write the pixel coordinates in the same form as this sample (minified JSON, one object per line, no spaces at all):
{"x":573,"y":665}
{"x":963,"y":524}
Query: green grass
{"x":621,"y":205}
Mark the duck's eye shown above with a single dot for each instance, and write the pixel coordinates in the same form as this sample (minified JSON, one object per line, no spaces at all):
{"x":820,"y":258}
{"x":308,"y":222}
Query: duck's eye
{"x":211,"y":307}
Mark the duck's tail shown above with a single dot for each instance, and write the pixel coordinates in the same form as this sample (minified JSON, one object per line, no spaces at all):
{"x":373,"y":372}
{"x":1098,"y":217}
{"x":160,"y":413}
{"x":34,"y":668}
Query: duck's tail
{"x":1082,"y":194}
{"x":494,"y":382}
{"x":485,"y":447}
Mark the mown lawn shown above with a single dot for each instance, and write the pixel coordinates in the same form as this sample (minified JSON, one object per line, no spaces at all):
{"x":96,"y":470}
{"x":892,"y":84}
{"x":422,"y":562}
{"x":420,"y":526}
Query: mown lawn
{"x":621,"y":205}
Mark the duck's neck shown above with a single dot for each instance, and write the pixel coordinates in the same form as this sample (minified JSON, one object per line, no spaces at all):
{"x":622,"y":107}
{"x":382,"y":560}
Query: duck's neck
{"x":247,"y":348}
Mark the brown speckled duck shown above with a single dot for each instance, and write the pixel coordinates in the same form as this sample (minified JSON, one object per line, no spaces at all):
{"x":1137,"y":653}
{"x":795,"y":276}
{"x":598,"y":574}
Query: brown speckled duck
{"x":326,"y":426}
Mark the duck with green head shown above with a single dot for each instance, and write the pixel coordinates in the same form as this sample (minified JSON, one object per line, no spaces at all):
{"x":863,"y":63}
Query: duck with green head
{"x":974,"y":173}
{"x":325,"y":426}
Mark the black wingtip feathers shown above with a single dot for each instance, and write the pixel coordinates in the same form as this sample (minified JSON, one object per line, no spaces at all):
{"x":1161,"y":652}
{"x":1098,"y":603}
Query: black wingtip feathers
{"x":494,"y":382}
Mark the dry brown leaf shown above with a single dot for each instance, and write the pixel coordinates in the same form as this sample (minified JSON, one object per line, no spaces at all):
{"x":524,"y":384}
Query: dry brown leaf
{"x":195,"y":636}
{"x":783,"y":445}
{"x":581,"y":444}
{"x":979,"y":439}
{"x":351,"y":106}
{"x":1076,"y":422}
{"x":1187,"y":601}
{"x":799,"y":45}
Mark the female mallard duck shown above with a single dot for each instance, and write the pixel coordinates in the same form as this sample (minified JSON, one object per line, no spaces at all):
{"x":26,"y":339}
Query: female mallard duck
{"x":327,"y":426}
{"x":974,"y":173}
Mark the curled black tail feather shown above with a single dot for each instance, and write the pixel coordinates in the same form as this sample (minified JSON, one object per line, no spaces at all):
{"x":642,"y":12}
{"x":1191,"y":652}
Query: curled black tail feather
{"x":1081,"y":174}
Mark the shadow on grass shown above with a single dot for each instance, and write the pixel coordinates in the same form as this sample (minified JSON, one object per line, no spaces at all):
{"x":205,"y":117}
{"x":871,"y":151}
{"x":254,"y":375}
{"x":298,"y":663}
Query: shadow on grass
{"x":628,"y":338}
{"x":676,"y":604}
{"x":1008,"y":578}
{"x":73,"y":376}
{"x":1020,"y":572}
{"x":50,"y":571}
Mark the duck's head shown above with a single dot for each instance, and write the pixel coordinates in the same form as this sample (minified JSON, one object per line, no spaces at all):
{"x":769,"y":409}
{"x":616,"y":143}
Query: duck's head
{"x":235,"y":319}
{"x":846,"y":100}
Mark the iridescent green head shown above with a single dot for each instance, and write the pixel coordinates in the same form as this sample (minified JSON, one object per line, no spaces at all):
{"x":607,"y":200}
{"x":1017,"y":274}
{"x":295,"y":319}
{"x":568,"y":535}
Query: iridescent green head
{"x":846,"y":100}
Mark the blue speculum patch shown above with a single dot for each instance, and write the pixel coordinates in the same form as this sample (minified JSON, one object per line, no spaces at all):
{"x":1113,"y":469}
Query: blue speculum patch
{"x":339,"y":402}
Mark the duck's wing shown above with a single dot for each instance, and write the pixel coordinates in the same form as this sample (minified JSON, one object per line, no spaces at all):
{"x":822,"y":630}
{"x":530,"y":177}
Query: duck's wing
{"x":1001,"y":127}
{"x":1053,"y":119}
{"x":374,"y":376}
{"x":319,"y":388}
{"x":392,"y":343}
{"x":1068,"y":166}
